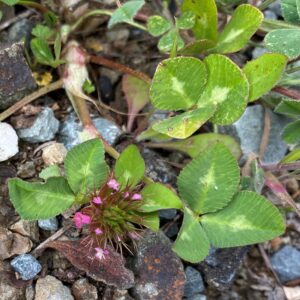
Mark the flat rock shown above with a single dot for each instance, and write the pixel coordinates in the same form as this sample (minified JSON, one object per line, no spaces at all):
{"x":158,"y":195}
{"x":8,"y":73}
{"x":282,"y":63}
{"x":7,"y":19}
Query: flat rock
{"x":248,"y":132}
{"x":26,"y":265}
{"x":16,"y":79}
{"x":43,"y":129}
{"x":20,"y":30}
{"x":69,"y":133}
{"x":8,"y":292}
{"x":8,"y":142}
{"x":221,"y":265}
{"x":13,"y":243}
{"x":159,"y":272}
{"x":286,"y":263}
{"x":83,"y":290}
{"x":49,"y":288}
{"x":26,"y":228}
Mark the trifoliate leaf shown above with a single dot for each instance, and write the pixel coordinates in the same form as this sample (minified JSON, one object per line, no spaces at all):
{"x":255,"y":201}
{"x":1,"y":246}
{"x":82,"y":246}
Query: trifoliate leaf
{"x":244,"y":22}
{"x":186,"y":20}
{"x":126,"y":12}
{"x":43,"y":32}
{"x":227,"y":88}
{"x":158,"y":25}
{"x":34,"y":201}
{"x":290,"y":11}
{"x":156,"y":196}
{"x":51,"y":171}
{"x":263,"y":73}
{"x":130,"y":167}
{"x":210,"y":180}
{"x":192,"y":243}
{"x":185,"y":124}
{"x":166,"y":42}
{"x":248,"y":219}
{"x":206,"y":18}
{"x":85,"y":166}
{"x":178,"y":83}
{"x":285,"y":41}
{"x":197,"y":47}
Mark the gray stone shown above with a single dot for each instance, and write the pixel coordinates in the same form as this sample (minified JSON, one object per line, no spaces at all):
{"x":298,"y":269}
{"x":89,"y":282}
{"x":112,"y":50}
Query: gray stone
{"x":43,"y":129}
{"x":197,"y":297}
{"x":26,"y":170}
{"x":194,"y":282}
{"x":248,"y":132}
{"x":172,"y":230}
{"x":8,"y":292}
{"x":168,"y":214}
{"x":8,"y":142}
{"x":21,"y":30}
{"x":276,"y":8}
{"x":270,"y":15}
{"x":49,"y":288}
{"x":16,"y":79}
{"x":26,"y":265}
{"x":221,"y":265}
{"x":157,"y":168}
{"x":48,"y":224}
{"x":286,"y":263}
{"x":70,"y":129}
{"x":258,"y":51}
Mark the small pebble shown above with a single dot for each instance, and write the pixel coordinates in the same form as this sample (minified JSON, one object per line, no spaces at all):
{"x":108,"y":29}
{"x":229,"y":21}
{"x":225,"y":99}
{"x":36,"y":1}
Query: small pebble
{"x":48,"y":224}
{"x":168,"y":214}
{"x":8,"y":142}
{"x":26,"y":265}
{"x":194,"y":282}
{"x":54,"y":154}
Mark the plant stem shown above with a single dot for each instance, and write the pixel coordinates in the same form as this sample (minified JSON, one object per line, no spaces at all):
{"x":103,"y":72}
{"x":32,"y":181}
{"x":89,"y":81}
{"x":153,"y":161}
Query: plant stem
{"x":99,"y":60}
{"x":269,"y":25}
{"x":43,"y":91}
{"x":265,"y":4}
{"x":282,"y":167}
{"x":36,"y":5}
{"x":292,"y":70}
{"x":287,"y":92}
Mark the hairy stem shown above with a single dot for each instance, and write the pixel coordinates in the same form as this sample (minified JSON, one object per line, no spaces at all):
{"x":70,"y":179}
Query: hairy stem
{"x":26,"y":100}
{"x":99,"y":60}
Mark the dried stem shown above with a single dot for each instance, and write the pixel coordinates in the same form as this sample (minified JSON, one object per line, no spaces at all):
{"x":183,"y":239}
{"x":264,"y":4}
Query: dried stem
{"x":99,"y":60}
{"x":35,"y":95}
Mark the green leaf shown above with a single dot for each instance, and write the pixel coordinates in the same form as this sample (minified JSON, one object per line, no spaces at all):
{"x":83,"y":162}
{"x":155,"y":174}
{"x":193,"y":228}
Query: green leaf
{"x":291,"y":157}
{"x":227,"y":87}
{"x":158,"y":25}
{"x":126,"y":12}
{"x":166,"y":42}
{"x":88,"y":86}
{"x":34,"y":201}
{"x":291,"y":133}
{"x":185,"y":124}
{"x":151,"y":134}
{"x":248,"y":219}
{"x":156,"y":196}
{"x":130,"y":167}
{"x":150,"y":220}
{"x":42,"y":51}
{"x":289,"y":107}
{"x":196,"y":144}
{"x":285,"y":41}
{"x":206,"y":18}
{"x":51,"y":171}
{"x":244,"y":22}
{"x":263,"y":73}
{"x":210,"y":180}
{"x":43,"y":32}
{"x":10,"y":2}
{"x":57,"y":46}
{"x":1,"y":15}
{"x":197,"y":47}
{"x":192,"y":243}
{"x":184,"y":77}
{"x":51,"y":18}
{"x":85,"y":166}
{"x":186,"y":20}
{"x":290,"y":11}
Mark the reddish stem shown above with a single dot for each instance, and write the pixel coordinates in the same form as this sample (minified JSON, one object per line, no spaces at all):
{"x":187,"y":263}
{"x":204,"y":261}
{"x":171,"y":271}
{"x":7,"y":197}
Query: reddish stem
{"x":287,"y":92}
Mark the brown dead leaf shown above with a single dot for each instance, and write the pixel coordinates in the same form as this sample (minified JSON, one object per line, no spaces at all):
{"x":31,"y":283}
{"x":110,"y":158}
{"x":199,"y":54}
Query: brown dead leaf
{"x":110,"y":270}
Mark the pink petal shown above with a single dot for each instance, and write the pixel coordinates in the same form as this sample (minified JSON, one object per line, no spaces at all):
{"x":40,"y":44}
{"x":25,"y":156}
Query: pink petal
{"x":113,"y":184}
{"x":136,"y":197}
{"x":98,"y":231}
{"x":97,"y":200}
{"x":100,"y":253}
{"x":126,"y":195}
{"x":80,"y":219}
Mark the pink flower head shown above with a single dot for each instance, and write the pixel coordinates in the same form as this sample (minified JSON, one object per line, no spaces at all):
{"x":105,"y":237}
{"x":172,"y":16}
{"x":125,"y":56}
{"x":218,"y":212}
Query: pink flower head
{"x":136,"y":197}
{"x":97,"y":200}
{"x":126,"y":195}
{"x":100,"y":253}
{"x":98,"y":231}
{"x":113,"y":184}
{"x":80,"y":219}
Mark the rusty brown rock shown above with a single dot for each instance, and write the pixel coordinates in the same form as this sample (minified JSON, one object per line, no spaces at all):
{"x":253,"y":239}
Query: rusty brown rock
{"x":83,"y":290}
{"x":115,"y":294}
{"x":16,"y":79}
{"x":159,"y":272}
